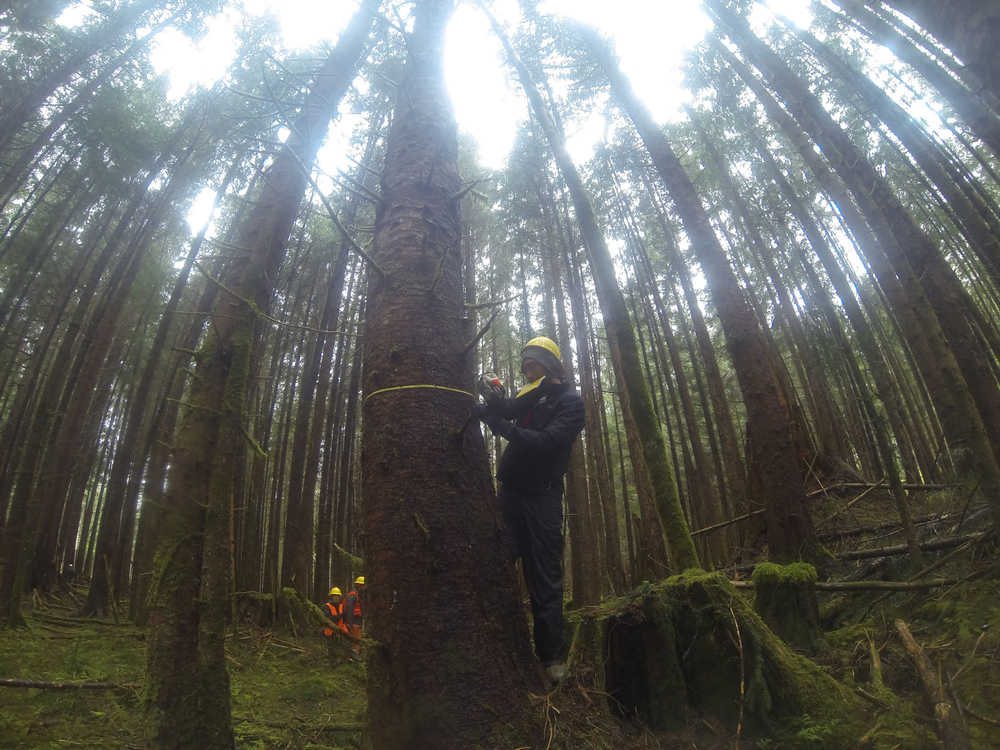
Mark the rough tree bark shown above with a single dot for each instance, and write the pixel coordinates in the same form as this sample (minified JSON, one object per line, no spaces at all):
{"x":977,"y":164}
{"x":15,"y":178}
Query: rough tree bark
{"x":433,"y":540}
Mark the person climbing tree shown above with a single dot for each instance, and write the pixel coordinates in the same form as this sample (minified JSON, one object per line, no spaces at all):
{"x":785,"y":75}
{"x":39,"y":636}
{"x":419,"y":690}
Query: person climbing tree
{"x":540,"y":422}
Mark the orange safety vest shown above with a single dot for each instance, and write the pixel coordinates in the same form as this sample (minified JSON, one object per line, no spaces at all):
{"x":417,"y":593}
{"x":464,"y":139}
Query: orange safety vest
{"x":337,"y":613}
{"x":355,"y":628}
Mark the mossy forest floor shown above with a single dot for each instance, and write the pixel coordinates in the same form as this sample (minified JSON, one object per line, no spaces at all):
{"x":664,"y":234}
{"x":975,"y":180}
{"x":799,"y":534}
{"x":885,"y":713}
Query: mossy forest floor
{"x":286,"y":693}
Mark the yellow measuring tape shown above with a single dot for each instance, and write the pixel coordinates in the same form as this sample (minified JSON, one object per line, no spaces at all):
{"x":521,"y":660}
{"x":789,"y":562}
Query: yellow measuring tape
{"x":422,"y":385}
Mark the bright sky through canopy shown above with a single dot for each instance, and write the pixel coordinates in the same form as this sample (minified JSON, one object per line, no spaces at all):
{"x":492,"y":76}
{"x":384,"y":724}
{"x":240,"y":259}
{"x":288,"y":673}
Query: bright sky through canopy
{"x":651,"y":38}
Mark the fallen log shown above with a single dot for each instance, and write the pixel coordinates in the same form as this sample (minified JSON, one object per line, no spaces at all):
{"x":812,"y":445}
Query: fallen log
{"x":923,"y":520}
{"x":946,"y":718}
{"x":901,"y":549}
{"x":873,"y":485}
{"x":816,"y":493}
{"x":896,"y":549}
{"x":12,"y":682}
{"x":868,"y":585}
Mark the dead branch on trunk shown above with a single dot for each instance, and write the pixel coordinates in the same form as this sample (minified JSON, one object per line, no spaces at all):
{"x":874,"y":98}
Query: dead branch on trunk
{"x":949,"y":728}
{"x":977,"y":715}
{"x":723,"y":524}
{"x":493,"y":303}
{"x":334,"y":218}
{"x":482,"y":332}
{"x":851,"y":503}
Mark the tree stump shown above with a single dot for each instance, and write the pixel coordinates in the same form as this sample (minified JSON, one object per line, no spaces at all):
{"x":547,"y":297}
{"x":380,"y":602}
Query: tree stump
{"x":786,"y":600}
{"x":254,"y":608}
{"x":692,"y":646}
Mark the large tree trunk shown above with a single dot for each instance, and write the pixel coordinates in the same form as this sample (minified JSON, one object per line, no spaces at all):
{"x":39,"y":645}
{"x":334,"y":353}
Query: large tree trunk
{"x":969,"y":28}
{"x":433,"y":541}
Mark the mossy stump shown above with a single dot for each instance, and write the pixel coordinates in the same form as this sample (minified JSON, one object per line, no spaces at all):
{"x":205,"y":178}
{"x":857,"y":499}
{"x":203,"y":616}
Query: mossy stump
{"x":786,"y":600}
{"x":691,"y":646}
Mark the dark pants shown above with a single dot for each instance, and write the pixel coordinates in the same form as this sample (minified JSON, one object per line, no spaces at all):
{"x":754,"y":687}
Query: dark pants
{"x":534,"y":523}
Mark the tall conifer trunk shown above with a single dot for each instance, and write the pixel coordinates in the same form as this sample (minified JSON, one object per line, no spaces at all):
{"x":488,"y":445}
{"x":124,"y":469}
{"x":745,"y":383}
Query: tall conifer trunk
{"x":774,"y":451}
{"x":187,"y":698}
{"x":969,"y":28}
{"x":898,"y":237}
{"x":451,"y":657}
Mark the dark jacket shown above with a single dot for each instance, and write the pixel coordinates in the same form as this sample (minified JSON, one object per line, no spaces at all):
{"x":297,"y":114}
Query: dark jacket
{"x":546,"y":422}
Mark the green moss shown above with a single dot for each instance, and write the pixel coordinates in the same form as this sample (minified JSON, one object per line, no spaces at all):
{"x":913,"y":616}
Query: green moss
{"x":684,"y":646}
{"x":298,"y":614}
{"x":285,"y":692}
{"x":57,"y":651}
{"x":797,"y":574}
{"x":785,"y":598}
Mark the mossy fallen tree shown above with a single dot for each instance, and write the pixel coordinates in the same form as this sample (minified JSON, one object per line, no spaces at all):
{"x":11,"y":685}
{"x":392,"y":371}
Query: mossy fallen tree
{"x":298,"y":613}
{"x":691,"y":647}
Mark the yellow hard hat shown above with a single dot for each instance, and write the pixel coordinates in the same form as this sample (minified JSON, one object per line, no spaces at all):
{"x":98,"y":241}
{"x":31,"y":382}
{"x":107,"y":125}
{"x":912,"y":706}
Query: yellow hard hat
{"x":545,"y":352}
{"x":335,"y":591}
{"x":544,"y":342}
{"x":359,"y":581}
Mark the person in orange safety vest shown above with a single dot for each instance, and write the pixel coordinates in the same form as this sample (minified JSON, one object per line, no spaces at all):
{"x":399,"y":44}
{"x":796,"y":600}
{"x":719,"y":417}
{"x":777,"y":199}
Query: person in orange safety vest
{"x":352,"y":612}
{"x":334,"y":607}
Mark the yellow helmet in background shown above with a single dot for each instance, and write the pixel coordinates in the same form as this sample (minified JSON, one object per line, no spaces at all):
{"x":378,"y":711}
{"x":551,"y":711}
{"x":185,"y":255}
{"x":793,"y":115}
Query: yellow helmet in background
{"x":359,"y":581}
{"x":335,"y":591}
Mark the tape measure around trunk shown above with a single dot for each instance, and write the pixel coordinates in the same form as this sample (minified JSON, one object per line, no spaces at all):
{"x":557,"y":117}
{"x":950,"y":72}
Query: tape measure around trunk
{"x":422,"y":385}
